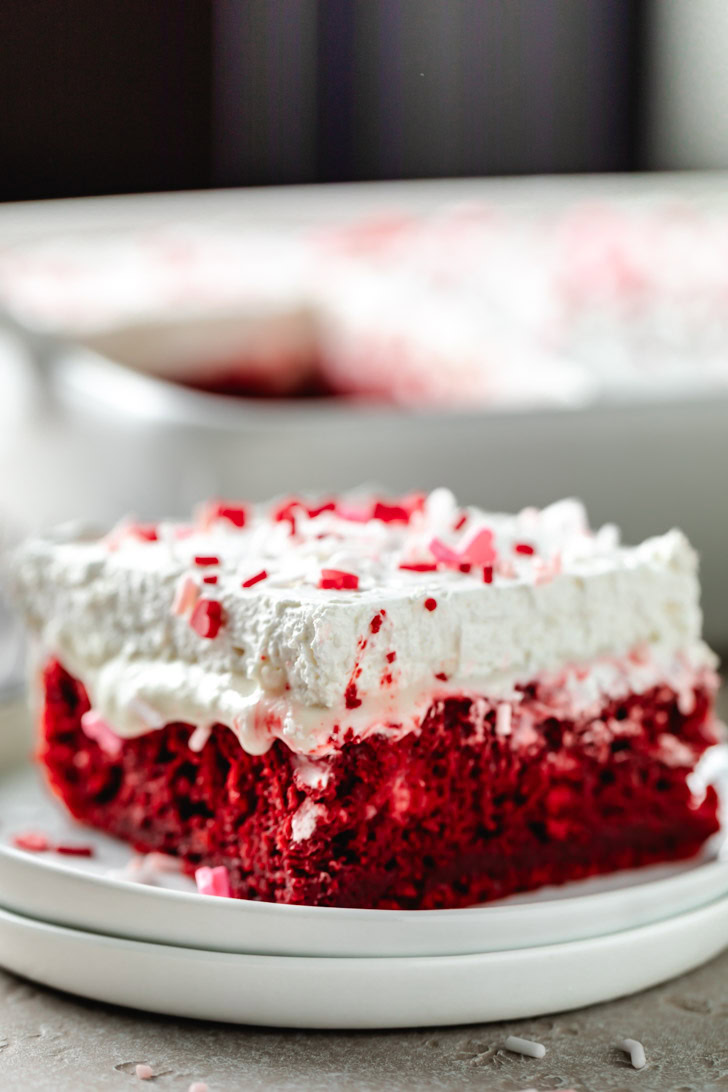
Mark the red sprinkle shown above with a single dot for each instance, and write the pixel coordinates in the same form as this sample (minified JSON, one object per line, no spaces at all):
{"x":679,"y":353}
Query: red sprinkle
{"x":288,"y":512}
{"x":147,"y":532}
{"x":487,"y":574}
{"x":390,"y":513}
{"x":262,"y":575}
{"x":32,"y":841}
{"x":441,"y":676}
{"x":391,"y":657}
{"x":353,"y":701}
{"x":524,"y":548}
{"x":376,"y":623}
{"x":430,"y":604}
{"x":233,"y":513}
{"x":460,"y":522}
{"x":420,"y":567}
{"x":465,"y":566}
{"x":209,"y":579}
{"x":75,"y":851}
{"x":207,"y":618}
{"x":341,"y":581}
{"x":203,"y":559}
{"x":327,"y":506}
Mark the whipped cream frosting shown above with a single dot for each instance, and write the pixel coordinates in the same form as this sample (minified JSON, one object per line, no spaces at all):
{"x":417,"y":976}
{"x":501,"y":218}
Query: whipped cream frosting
{"x":306,"y":663}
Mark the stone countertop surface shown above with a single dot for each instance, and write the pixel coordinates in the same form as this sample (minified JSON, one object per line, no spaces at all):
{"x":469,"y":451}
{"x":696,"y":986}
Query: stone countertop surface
{"x":52,"y":1042}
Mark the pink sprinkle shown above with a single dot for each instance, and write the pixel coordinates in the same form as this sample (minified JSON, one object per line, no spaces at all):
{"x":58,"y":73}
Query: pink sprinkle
{"x":206,"y":559}
{"x":96,"y":728}
{"x":478,"y":549}
{"x":442,"y":552}
{"x":207,"y":618}
{"x":75,"y":851}
{"x":506,"y":568}
{"x":354,"y":513}
{"x":262,"y":575}
{"x":185,"y":596}
{"x":198,"y":1086}
{"x":524,"y":548}
{"x":341,"y":581}
{"x":213,"y":881}
{"x":430,"y":604}
{"x":144,"y":1072}
{"x":32,"y":841}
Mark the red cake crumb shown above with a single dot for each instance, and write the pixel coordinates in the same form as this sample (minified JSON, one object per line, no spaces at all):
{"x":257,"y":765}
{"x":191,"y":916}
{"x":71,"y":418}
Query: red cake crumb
{"x":351,"y":696}
{"x":376,"y":623}
{"x":447,"y":816}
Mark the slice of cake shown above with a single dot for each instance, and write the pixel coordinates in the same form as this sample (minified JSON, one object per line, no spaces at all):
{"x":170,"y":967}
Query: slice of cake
{"x":378,"y":703}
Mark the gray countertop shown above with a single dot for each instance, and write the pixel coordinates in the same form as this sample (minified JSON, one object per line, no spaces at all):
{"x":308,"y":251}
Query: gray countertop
{"x":55,"y":1043}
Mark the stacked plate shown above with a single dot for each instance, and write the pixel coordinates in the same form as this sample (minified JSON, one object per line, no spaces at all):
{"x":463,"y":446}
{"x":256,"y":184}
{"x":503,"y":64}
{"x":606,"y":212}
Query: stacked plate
{"x":71,"y":923}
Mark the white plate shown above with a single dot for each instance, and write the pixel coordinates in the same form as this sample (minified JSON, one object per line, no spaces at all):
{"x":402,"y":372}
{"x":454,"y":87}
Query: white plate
{"x":360,"y":993}
{"x":77,"y":892}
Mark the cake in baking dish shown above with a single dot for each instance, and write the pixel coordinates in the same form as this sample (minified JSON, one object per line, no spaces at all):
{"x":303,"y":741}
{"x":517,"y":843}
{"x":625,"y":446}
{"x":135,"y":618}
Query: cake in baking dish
{"x":376,"y":702}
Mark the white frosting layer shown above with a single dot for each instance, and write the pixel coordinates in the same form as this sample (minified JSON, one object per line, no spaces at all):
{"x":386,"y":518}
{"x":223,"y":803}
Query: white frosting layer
{"x":289,"y":653}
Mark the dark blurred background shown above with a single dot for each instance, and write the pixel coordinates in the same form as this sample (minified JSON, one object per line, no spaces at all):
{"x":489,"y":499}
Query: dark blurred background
{"x":104,"y":96}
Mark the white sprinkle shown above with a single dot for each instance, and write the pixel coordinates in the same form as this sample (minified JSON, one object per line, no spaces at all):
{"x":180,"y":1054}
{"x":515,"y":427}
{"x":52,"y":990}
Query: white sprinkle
{"x":147,"y":715}
{"x":199,"y":737}
{"x":503,"y":719}
{"x":525,"y":1046}
{"x":144,"y":1072}
{"x":636,"y":1052}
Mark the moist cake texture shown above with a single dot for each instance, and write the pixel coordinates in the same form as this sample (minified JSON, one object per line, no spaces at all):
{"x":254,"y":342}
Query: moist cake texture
{"x":367,"y":701}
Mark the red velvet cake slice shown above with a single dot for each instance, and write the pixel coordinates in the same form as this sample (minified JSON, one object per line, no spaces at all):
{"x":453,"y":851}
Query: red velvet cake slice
{"x":380,"y":703}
